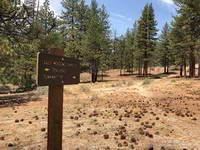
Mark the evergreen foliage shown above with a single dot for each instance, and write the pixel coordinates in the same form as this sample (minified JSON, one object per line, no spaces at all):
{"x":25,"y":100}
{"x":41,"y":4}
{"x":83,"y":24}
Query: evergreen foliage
{"x":84,"y":32}
{"x":146,"y":38}
{"x":188,"y":22}
{"x":165,"y":50}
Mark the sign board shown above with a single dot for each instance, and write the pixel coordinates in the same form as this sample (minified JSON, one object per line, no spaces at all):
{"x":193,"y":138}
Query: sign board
{"x":57,"y":70}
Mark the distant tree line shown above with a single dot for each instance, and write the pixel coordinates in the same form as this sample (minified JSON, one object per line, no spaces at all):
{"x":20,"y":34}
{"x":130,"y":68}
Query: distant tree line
{"x":177,"y":45}
{"x":83,"y":31}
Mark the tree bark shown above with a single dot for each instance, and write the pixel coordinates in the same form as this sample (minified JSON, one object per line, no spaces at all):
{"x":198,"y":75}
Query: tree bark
{"x":167,"y":69}
{"x":181,"y":70}
{"x":96,"y":74}
{"x":132,"y":65}
{"x":199,"y":70}
{"x":94,"y":71}
{"x":102,"y":75}
{"x":121,"y":65}
{"x":140,"y":66}
{"x":185,"y":68}
{"x":145,"y":69}
{"x":192,"y":63}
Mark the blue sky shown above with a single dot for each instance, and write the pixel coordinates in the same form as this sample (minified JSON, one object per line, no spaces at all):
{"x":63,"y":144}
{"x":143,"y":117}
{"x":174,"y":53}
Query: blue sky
{"x":124,"y":13}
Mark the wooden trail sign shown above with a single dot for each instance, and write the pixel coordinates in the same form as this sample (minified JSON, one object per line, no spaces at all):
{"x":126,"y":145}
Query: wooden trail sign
{"x":55,"y":70}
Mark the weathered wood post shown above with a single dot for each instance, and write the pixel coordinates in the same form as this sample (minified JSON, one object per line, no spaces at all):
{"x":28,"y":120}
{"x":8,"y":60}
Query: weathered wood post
{"x":55,"y":70}
{"x":55,"y":112}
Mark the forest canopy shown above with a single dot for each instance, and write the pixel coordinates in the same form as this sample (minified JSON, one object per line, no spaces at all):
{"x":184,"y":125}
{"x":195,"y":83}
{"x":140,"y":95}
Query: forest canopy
{"x":84,"y":32}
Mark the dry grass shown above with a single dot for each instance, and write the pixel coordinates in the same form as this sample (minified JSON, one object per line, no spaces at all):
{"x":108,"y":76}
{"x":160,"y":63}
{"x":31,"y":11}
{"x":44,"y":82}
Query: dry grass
{"x":112,"y":114}
{"x":84,"y":88}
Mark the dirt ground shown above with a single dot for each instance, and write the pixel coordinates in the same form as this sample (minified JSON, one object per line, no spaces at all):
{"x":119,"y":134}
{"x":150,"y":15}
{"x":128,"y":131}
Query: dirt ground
{"x":123,"y":112}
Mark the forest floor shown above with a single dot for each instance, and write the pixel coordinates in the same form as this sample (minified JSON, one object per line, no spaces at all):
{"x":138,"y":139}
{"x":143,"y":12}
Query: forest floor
{"x":123,"y":112}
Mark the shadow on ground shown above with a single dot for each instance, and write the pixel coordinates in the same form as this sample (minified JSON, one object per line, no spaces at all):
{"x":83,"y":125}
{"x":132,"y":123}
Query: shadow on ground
{"x":104,"y":75}
{"x":162,"y":75}
{"x":100,"y":81}
{"x":151,"y":76}
{"x":17,"y":99}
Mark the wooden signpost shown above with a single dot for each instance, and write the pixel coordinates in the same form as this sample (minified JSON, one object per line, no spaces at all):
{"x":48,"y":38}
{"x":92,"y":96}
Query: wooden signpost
{"x":55,"y":70}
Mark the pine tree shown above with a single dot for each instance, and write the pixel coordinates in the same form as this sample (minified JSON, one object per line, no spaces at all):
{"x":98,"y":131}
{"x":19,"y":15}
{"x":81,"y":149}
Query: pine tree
{"x":32,"y":28}
{"x":116,"y":50}
{"x":129,"y":51}
{"x":134,"y":44}
{"x":47,"y":25}
{"x":105,"y":40}
{"x":96,"y":39}
{"x":6,"y":58}
{"x":189,"y":12}
{"x":165,"y":48}
{"x":114,"y":55}
{"x":73,"y":26}
{"x":122,"y":54}
{"x":14,"y":19}
{"x":46,"y":18}
{"x":24,"y":30}
{"x":146,"y":37}
{"x":177,"y":38}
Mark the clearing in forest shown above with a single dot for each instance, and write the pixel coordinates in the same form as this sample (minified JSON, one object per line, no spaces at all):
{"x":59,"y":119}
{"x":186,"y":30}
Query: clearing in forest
{"x":123,"y":112}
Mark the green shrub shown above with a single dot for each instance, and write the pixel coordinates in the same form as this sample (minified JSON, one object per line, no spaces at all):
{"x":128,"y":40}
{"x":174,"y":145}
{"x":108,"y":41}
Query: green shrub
{"x":147,"y":81}
{"x":84,"y":88}
{"x":173,"y":81}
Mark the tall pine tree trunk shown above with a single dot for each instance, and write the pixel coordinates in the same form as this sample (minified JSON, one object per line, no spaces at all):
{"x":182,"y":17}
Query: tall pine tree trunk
{"x":192,"y":63}
{"x":145,"y":69}
{"x":140,"y":66}
{"x":96,"y":74}
{"x":94,"y":71}
{"x":181,"y":70}
{"x":165,"y":68}
{"x":132,"y":65}
{"x":121,"y":64}
{"x":102,"y":75}
{"x":199,"y":71}
{"x":185,"y":68}
{"x":199,"y":66}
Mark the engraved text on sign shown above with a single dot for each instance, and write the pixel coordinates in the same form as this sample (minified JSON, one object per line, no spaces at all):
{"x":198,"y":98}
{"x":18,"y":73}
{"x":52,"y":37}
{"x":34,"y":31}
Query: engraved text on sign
{"x":57,"y":70}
